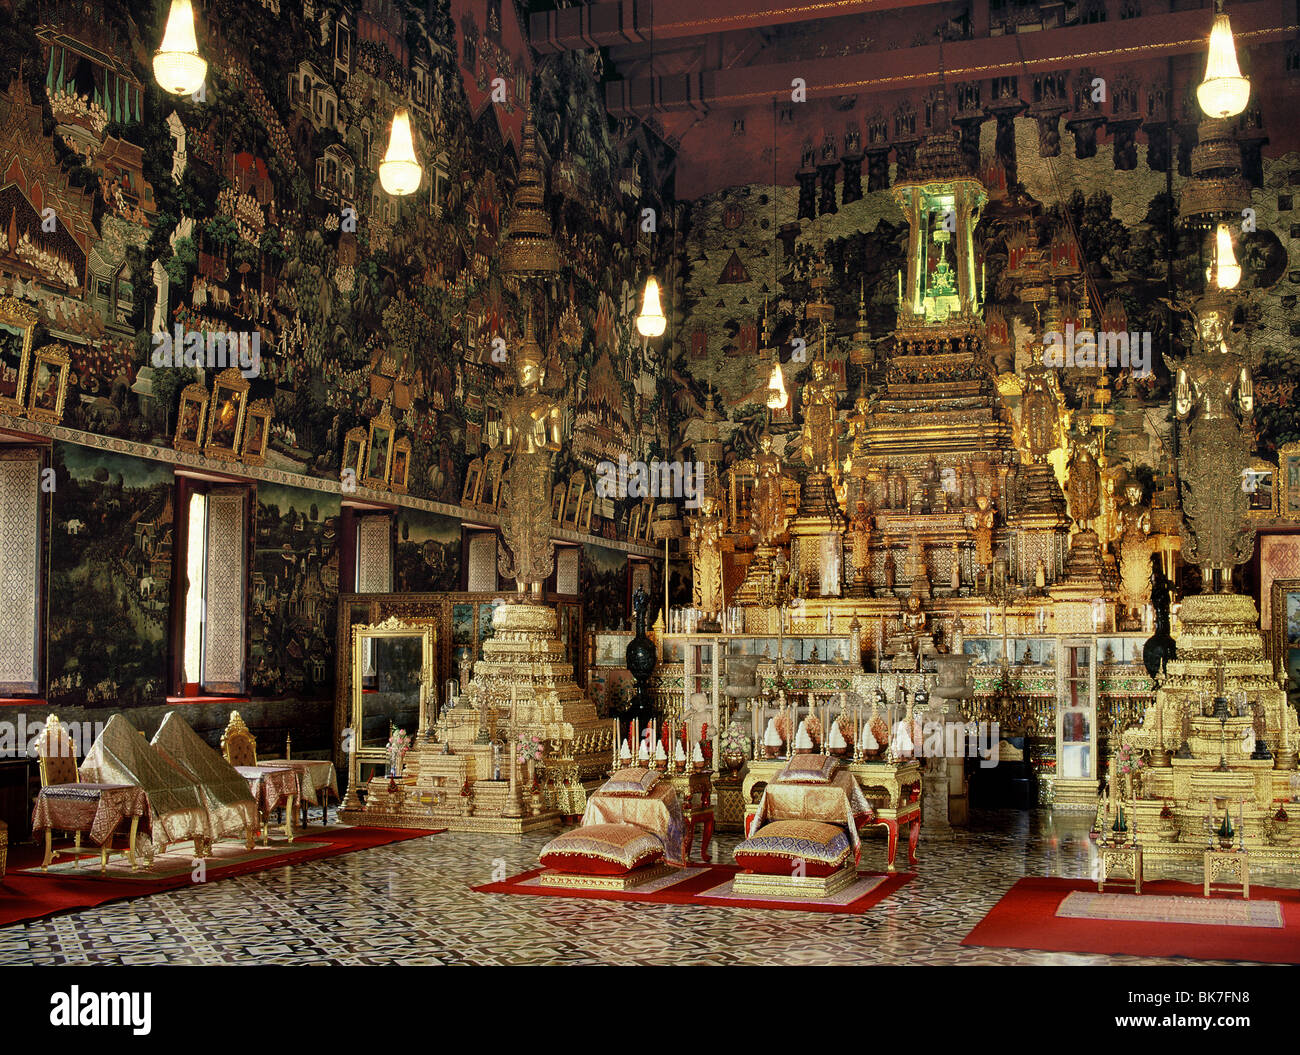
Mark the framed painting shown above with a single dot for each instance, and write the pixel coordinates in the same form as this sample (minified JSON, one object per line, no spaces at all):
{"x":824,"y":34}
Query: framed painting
{"x":1285,"y":608}
{"x":379,"y":449}
{"x":191,"y":419}
{"x":401,"y":465}
{"x":634,"y":523}
{"x":473,"y":483}
{"x":257,"y":431}
{"x":584,"y":518}
{"x":49,"y":383}
{"x":354,"y":456}
{"x":573,"y":501}
{"x":1288,"y":480}
{"x":557,"y":502}
{"x":1259,"y":482}
{"x":494,"y":470}
{"x":17,"y":324}
{"x":226,"y":415}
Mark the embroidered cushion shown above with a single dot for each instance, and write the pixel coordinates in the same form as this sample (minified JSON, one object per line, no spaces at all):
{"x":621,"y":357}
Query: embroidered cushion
{"x":602,"y":849}
{"x":632,"y":781}
{"x":823,"y":848}
{"x":809,"y":769}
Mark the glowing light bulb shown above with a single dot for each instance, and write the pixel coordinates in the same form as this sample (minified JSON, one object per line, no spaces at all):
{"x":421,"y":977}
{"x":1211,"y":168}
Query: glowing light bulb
{"x":651,"y":321}
{"x":177,"y":65}
{"x":400,"y":172}
{"x":1223,"y":92}
{"x":1224,"y":272}
{"x":777,"y":397}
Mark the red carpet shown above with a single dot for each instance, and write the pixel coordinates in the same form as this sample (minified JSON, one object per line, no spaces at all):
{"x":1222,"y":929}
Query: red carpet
{"x":1026,"y":918}
{"x":691,"y":891}
{"x":33,"y":895}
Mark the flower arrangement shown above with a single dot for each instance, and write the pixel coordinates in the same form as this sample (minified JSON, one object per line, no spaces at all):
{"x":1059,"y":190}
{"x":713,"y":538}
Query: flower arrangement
{"x":1129,"y":760}
{"x":530,"y":748}
{"x":736,"y":741}
{"x":399,"y":742}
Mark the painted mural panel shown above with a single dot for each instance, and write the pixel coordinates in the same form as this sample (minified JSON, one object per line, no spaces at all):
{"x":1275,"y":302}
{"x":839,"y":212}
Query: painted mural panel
{"x":294,"y":594}
{"x":427,"y":558}
{"x":110,"y":577}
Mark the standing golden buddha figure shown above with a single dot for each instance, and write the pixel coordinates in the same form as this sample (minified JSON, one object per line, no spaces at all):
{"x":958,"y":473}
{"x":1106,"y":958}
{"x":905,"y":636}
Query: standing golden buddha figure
{"x":532,"y":436}
{"x":1213,"y":401}
{"x":817,"y":529}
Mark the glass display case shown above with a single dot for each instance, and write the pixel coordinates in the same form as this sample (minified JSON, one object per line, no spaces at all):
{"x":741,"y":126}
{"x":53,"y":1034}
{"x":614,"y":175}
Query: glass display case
{"x":1076,"y":724}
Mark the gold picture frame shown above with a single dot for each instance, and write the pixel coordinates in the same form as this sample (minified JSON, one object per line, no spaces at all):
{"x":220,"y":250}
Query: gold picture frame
{"x":400,"y":475}
{"x":557,"y":502}
{"x":379,"y":449}
{"x":49,"y":383}
{"x":191,"y":418}
{"x":473,"y":483}
{"x":494,"y":478}
{"x":257,"y":431}
{"x":354,"y":455}
{"x":1260,"y":485}
{"x":634,"y":522}
{"x":1285,"y":611}
{"x":1288,"y":480}
{"x":226,"y":407}
{"x":573,"y":501}
{"x":17,"y":325}
{"x":584,"y":516}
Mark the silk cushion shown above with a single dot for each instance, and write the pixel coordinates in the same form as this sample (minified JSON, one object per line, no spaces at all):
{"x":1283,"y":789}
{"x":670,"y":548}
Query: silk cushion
{"x":777,"y":846}
{"x":602,"y":849}
{"x":631,"y":781}
{"x":809,"y":769}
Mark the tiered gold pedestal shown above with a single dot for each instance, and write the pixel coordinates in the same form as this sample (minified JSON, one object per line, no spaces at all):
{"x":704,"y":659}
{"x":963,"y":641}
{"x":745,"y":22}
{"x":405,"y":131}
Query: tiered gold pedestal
{"x":448,"y":780}
{"x":1219,"y":651}
{"x":793,"y":886}
{"x":629,"y":881}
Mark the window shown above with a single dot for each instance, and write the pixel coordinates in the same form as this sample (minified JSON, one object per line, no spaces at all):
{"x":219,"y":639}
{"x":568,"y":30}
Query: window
{"x":213,"y":574}
{"x":20,"y":570}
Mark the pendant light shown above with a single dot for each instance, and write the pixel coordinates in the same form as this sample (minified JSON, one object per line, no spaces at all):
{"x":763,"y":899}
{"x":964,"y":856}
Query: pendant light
{"x":1223,"y":92}
{"x":400,"y":172}
{"x":177,"y":65}
{"x":1224,"y":272}
{"x":651,"y":321}
{"x":777,"y":397}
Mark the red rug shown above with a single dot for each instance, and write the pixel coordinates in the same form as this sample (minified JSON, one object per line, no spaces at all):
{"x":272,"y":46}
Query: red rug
{"x":31,"y":895}
{"x":1026,"y":918}
{"x":695,"y":890}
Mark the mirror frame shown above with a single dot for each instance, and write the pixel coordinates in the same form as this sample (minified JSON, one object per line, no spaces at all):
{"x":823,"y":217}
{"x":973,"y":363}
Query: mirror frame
{"x":390,"y":627}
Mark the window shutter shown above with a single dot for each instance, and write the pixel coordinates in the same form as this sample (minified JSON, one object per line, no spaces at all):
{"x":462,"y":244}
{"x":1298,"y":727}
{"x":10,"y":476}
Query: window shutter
{"x":375,"y":554}
{"x":223,"y":629}
{"x":20,"y":561}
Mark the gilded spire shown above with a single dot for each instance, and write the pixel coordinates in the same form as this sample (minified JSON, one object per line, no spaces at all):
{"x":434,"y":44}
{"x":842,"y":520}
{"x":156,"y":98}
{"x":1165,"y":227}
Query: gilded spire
{"x":528,"y":247}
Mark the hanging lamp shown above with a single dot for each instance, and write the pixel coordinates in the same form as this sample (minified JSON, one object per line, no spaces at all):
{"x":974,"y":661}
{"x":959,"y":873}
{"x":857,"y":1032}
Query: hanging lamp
{"x":651,"y":322}
{"x":400,"y":172}
{"x":1224,"y":272}
{"x":1223,"y":92}
{"x":177,"y":65}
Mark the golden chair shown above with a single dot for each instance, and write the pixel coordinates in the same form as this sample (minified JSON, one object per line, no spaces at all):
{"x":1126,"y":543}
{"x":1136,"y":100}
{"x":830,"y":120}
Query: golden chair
{"x":239,"y":747}
{"x":57,"y":755}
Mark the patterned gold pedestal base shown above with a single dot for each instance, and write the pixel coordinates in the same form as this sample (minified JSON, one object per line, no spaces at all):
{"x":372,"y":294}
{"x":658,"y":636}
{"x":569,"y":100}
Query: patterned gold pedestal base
{"x":572,"y":881}
{"x":460,"y":823}
{"x":1075,"y":796}
{"x":780,"y":886}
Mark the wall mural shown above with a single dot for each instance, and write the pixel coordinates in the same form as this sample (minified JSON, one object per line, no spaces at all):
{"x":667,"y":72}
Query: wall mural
{"x":427,"y":558}
{"x":110,"y":579}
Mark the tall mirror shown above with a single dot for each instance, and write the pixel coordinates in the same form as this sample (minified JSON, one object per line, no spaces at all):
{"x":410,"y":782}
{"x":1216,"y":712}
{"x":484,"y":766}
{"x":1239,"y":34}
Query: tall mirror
{"x":392,"y":683}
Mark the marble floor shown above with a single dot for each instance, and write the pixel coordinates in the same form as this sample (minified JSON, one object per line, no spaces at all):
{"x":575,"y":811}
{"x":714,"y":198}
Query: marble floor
{"x":410,"y":903}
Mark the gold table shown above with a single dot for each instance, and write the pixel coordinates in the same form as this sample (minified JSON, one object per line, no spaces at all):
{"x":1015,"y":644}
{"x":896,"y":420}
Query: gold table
{"x":1121,"y":860}
{"x":1232,"y":865}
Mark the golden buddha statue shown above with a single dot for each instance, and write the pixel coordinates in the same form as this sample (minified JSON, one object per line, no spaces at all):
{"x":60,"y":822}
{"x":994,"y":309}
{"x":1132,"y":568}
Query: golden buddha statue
{"x":980,"y":525}
{"x":1213,"y":401}
{"x":706,"y":557}
{"x":1135,"y":547}
{"x":819,"y":436}
{"x":860,"y":536}
{"x":768,"y":515}
{"x":532,"y":435}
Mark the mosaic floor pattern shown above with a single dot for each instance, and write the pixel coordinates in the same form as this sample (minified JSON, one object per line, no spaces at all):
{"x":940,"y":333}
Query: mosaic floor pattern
{"x":410,"y":903}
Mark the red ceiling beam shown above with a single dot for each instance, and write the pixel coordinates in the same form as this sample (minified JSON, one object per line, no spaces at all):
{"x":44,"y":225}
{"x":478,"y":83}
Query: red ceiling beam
{"x":609,"y":24}
{"x":1074,"y":47}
